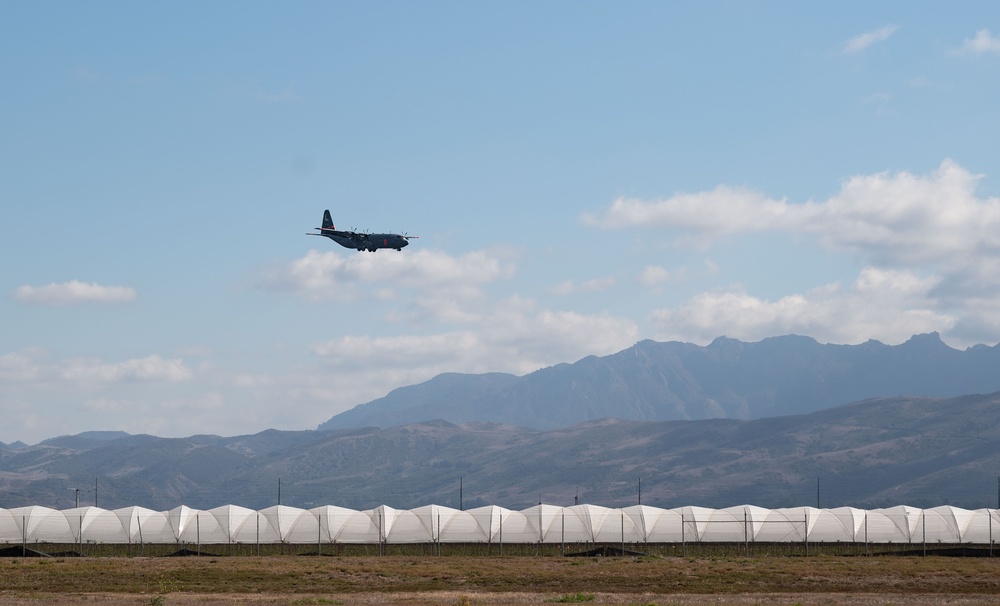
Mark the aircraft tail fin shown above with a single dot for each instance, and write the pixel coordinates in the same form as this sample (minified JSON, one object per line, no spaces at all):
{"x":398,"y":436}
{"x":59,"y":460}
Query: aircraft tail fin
{"x":327,"y":220}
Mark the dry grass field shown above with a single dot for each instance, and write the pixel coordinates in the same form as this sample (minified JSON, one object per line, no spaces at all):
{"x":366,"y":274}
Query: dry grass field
{"x":466,"y":581}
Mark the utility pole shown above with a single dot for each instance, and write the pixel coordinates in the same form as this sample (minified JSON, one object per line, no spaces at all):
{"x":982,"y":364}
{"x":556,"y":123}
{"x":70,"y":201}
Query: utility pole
{"x":640,"y":491}
{"x":817,"y":492}
{"x":279,"y":491}
{"x":461,"y":503}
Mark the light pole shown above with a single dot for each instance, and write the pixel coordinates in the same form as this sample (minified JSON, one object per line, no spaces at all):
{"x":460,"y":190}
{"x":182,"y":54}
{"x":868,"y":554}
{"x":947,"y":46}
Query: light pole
{"x":77,"y":495}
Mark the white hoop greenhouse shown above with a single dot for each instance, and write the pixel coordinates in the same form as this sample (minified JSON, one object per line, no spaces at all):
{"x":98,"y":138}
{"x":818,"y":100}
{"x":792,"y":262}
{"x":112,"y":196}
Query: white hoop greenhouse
{"x":231,"y":524}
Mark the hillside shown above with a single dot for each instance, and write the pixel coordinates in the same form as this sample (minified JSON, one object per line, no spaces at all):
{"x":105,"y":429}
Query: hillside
{"x":727,"y":379}
{"x":915,"y":451}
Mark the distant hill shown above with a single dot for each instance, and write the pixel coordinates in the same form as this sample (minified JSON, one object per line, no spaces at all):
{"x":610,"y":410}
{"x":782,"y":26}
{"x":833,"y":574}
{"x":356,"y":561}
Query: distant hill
{"x":727,"y":379}
{"x":902,"y":450}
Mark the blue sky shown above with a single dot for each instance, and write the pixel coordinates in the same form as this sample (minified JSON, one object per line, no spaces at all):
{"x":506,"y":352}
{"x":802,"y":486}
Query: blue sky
{"x":582,"y":175}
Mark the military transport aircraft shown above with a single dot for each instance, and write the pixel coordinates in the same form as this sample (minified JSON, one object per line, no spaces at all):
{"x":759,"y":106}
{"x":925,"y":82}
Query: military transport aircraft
{"x":360,"y":240}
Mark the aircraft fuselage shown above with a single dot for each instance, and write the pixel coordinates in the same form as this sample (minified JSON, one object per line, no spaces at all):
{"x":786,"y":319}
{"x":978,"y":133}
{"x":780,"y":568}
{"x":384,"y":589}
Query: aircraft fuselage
{"x":363,"y":241}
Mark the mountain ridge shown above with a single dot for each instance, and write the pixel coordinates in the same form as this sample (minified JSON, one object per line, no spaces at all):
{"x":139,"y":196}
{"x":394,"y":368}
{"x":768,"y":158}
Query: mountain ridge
{"x":880,"y":452}
{"x":659,"y":381}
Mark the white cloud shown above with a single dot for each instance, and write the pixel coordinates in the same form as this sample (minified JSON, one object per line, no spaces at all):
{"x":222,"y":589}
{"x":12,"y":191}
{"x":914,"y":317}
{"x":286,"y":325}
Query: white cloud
{"x":719,"y":211}
{"x":512,"y":335}
{"x":907,"y":219}
{"x":654,"y":276}
{"x":106,"y":405}
{"x":395,"y":356}
{"x":932,"y":246}
{"x":150,"y":368}
{"x":330,"y":275}
{"x":569,"y":287}
{"x":19,"y":367}
{"x":43,"y":396}
{"x":889,"y":306}
{"x":860,"y":43}
{"x":72,"y":293}
{"x":982,"y":43}
{"x":897,"y":220}
{"x":33,"y":366}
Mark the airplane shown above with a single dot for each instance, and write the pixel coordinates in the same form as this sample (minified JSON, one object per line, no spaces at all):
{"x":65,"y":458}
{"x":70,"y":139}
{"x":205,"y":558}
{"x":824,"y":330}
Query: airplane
{"x":360,"y":240}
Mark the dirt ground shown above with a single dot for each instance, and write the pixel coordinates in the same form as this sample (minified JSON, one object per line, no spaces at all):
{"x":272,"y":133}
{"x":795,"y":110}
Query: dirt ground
{"x":454,"y":598}
{"x":481,"y":581}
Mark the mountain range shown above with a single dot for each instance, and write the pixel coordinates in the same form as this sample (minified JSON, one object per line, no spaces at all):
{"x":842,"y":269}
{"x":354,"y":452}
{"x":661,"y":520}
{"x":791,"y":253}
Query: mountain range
{"x":672,"y":424}
{"x":727,"y":379}
{"x":889,"y":451}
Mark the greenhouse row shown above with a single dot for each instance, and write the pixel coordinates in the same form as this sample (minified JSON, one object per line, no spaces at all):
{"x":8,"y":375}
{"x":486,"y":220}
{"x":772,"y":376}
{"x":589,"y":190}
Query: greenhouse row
{"x":231,"y":524}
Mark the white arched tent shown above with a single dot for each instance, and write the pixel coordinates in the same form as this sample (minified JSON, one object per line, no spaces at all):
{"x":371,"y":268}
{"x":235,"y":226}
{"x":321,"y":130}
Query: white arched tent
{"x":143,"y":525}
{"x":87,"y":522}
{"x":180,"y":519}
{"x":284,"y":524}
{"x":489,"y":521}
{"x":661,"y":525}
{"x":41,"y":524}
{"x":493,"y":524}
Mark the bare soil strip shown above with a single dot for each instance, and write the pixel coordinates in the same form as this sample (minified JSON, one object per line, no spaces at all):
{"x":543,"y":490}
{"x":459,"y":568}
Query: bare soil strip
{"x":461,"y":581}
